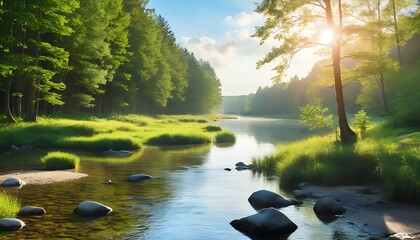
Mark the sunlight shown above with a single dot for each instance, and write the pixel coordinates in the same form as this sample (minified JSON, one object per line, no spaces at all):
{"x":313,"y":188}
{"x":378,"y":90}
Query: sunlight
{"x":326,"y":36}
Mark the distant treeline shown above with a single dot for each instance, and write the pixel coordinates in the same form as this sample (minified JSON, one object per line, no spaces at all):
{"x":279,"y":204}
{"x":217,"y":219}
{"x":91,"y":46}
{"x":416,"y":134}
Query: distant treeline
{"x":402,"y":92}
{"x":98,"y":56}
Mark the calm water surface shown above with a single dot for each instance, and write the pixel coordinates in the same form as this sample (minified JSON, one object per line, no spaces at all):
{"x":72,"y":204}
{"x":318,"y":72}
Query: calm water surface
{"x":192,"y":197}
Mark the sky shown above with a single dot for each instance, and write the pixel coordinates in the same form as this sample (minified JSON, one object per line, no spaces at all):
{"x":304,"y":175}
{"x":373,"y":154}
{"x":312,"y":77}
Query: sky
{"x":219,"y":31}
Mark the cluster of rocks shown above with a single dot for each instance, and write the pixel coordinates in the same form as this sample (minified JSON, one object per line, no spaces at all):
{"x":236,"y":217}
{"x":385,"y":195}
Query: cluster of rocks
{"x":269,"y":221}
{"x":13,"y":147}
{"x":240,"y":166}
{"x":87,"y":208}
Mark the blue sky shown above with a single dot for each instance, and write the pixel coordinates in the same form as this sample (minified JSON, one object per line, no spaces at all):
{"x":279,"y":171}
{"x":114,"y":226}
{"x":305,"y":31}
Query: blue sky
{"x":219,"y":31}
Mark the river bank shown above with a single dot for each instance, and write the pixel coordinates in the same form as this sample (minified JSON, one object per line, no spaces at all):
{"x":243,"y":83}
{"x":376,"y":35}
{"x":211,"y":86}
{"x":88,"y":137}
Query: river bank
{"x":368,"y":209}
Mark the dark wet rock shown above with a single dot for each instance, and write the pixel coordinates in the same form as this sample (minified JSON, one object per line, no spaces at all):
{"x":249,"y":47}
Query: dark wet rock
{"x":138,"y":177}
{"x":92,"y":209}
{"x":400,"y":236}
{"x":13,"y":182}
{"x":11,"y":224}
{"x":267,"y":222}
{"x":227,"y":169}
{"x":300,"y":194}
{"x":328,"y":206}
{"x":26,"y":147}
{"x":109,"y":181}
{"x":240,"y":164}
{"x":265,"y":199}
{"x":241,"y":168}
{"x":117,"y":152}
{"x":31,"y":211}
{"x":13,"y":147}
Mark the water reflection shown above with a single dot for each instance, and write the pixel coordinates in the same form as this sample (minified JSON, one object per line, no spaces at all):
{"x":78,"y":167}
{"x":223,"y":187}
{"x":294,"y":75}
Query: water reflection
{"x":191,"y":196}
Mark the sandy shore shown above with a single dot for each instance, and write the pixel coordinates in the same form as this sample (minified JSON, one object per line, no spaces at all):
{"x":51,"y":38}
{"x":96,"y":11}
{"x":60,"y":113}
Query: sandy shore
{"x":44,"y":177}
{"x":370,"y":210}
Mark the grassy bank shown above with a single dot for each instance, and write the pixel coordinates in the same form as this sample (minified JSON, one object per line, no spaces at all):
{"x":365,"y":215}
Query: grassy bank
{"x":388,"y":157}
{"x":117,"y":132}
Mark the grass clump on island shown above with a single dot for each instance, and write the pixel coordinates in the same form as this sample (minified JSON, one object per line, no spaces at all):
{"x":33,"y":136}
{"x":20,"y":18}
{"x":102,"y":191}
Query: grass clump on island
{"x":60,"y":161}
{"x":225,"y":137}
{"x":120,"y":132}
{"x":387,"y":157}
{"x":9,"y":205}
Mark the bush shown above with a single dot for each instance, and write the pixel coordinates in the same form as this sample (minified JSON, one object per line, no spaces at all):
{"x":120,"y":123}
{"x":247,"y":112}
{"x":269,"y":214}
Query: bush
{"x":9,"y":205}
{"x":225,"y":137}
{"x":60,"y":160}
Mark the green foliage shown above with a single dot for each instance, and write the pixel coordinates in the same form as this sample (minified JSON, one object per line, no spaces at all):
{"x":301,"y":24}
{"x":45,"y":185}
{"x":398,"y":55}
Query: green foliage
{"x":212,"y":128}
{"x":180,"y":139}
{"x":361,"y":121}
{"x":60,"y":160}
{"x":9,"y":205}
{"x":225,"y":137}
{"x":315,"y":116}
{"x":385,"y":156}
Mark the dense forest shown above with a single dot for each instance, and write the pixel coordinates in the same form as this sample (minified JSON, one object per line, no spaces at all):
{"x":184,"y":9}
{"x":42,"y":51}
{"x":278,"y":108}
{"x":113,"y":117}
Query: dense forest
{"x":97,"y":56}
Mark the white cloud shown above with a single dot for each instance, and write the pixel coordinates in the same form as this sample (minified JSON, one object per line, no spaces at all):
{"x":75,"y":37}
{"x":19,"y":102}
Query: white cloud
{"x":234,"y":58}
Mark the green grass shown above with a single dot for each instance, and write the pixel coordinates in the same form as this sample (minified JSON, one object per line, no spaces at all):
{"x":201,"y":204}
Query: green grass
{"x":385,"y":156}
{"x":60,"y":160}
{"x":9,"y":205}
{"x":212,"y":128}
{"x":118,"y":132}
{"x":180,"y":139}
{"x":225,"y":137}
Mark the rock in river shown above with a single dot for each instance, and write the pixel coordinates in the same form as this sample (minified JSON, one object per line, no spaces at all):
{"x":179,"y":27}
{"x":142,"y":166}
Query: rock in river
{"x":117,"y":152}
{"x":31,"y":211}
{"x":138,"y":177}
{"x":328,"y":206}
{"x":92,"y":209}
{"x":13,"y":182}
{"x":264,"y":199}
{"x":267,"y":222}
{"x":11,"y":224}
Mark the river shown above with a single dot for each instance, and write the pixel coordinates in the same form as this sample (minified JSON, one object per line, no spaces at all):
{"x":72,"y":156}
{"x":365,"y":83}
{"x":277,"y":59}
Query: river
{"x":190,"y":196}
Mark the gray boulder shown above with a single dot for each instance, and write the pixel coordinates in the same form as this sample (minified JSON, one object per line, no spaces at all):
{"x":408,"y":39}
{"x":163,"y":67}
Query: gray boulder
{"x":265,"y":199}
{"x":328,"y":206}
{"x":117,"y":152}
{"x":92,"y":209}
{"x":31,"y":211}
{"x":138,"y":177}
{"x":300,"y":194}
{"x":240,"y":164}
{"x":11,"y":224}
{"x":267,"y":222}
{"x":13,"y":182}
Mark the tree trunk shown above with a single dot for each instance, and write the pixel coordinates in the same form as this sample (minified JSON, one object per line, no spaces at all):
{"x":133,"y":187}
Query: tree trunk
{"x":347,"y":135}
{"x":9,"y":114}
{"x":397,"y":38}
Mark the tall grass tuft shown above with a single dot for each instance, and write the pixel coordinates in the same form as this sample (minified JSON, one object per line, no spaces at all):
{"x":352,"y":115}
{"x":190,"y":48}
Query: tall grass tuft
{"x":225,"y":137}
{"x":9,"y":205}
{"x":212,"y":128}
{"x":60,"y":160}
{"x":180,"y":139}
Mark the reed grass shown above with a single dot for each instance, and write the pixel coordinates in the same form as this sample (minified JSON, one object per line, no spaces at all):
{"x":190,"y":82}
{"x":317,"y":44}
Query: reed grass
{"x":60,"y":161}
{"x":225,"y":137}
{"x":9,"y":205}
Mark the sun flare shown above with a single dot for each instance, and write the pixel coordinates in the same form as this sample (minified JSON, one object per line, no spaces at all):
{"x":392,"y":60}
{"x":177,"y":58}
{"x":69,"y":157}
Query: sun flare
{"x":326,"y":36}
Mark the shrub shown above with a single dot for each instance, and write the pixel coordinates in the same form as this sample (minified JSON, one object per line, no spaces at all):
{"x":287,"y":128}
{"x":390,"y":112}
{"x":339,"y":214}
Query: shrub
{"x":60,"y":160}
{"x":225,"y":137}
{"x":361,"y":121}
{"x":9,"y":205}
